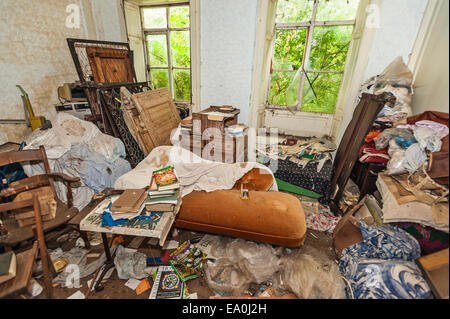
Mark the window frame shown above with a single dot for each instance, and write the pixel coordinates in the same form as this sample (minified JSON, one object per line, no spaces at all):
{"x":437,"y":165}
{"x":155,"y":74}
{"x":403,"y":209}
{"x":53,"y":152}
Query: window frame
{"x":166,"y":31}
{"x":309,"y":26}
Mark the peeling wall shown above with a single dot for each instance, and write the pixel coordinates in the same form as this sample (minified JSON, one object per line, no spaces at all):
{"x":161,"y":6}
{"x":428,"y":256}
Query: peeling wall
{"x":35,"y":55}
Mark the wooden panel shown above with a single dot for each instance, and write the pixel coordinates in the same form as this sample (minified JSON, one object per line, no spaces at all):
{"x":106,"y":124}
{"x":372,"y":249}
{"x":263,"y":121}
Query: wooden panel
{"x":435,"y":268}
{"x":20,"y":156}
{"x":158,"y":114}
{"x":110,"y":65}
{"x":25,"y":263}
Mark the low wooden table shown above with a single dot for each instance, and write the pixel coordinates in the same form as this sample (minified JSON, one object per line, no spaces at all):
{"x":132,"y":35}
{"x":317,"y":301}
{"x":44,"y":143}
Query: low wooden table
{"x":89,"y":220}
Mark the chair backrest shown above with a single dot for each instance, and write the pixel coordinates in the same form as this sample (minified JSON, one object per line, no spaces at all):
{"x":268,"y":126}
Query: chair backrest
{"x":37,"y":155}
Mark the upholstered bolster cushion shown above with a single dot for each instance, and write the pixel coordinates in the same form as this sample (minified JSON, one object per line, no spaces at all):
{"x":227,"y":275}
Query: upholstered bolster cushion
{"x":271,"y":217}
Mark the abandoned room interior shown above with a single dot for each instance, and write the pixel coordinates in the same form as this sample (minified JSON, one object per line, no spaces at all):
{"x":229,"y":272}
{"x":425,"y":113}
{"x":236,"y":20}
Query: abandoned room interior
{"x":224,"y":149}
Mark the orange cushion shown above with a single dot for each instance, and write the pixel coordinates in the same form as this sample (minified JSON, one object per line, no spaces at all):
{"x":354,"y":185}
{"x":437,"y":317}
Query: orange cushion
{"x":271,"y":217}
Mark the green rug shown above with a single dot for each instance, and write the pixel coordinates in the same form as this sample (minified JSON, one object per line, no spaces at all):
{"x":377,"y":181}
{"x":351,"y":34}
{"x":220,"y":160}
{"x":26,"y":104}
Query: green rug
{"x":288,"y":187}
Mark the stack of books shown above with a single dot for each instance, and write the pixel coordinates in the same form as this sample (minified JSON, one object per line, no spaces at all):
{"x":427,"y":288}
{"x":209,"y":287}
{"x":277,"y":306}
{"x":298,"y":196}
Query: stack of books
{"x":186,"y":124}
{"x":163,"y":194}
{"x":130,"y":204}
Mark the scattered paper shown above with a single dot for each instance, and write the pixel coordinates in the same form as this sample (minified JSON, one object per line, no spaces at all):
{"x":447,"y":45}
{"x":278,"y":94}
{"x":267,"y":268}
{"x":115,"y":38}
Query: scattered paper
{"x":193,"y":296}
{"x":77,"y":295}
{"x":171,"y":244}
{"x":143,"y":286}
{"x":132,"y":283}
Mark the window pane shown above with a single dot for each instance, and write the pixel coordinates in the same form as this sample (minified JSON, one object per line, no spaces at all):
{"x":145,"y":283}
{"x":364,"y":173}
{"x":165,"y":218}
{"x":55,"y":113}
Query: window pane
{"x":329,"y":48}
{"x":179,"y":17}
{"x":326,"y":86}
{"x":284,"y":88}
{"x":157,"y":49}
{"x":294,"y":11}
{"x":182,"y":81}
{"x":333,"y":10}
{"x":160,"y":78}
{"x":180,"y":45}
{"x":289,"y":49}
{"x":155,"y":18}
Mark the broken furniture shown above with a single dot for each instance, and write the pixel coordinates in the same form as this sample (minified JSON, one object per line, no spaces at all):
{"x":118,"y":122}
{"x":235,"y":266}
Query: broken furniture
{"x":271,"y":217}
{"x":209,"y":139}
{"x":25,"y":259}
{"x":24,"y":188}
{"x":347,"y":153}
{"x":103,"y":67}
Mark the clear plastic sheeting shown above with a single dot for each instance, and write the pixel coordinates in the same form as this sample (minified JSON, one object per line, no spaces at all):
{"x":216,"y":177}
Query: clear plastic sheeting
{"x":130,"y":264}
{"x":241,"y":263}
{"x":310,"y":274}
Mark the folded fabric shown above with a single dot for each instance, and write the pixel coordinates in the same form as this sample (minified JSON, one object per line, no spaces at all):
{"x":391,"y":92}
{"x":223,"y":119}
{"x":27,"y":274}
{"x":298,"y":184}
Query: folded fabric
{"x":370,"y":154}
{"x":440,"y":130}
{"x":371,"y":135}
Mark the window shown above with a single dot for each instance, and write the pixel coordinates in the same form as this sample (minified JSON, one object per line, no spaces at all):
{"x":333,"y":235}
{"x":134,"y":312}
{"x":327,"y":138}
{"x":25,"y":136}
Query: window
{"x":309,"y":54}
{"x":167,"y":43}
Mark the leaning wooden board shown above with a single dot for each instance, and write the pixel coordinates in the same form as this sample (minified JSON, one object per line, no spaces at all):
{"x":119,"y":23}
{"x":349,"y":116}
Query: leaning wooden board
{"x":158,"y":114}
{"x":159,"y":229}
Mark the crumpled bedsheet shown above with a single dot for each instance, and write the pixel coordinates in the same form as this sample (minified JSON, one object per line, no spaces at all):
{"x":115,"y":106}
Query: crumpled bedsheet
{"x":79,"y":149}
{"x":193,"y":172}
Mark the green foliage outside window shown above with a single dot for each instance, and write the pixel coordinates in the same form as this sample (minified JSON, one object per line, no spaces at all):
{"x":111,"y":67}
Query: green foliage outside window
{"x":179,"y":50}
{"x":328,"y":52}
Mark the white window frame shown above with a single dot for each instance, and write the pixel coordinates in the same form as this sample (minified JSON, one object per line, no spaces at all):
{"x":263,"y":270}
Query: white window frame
{"x":309,"y":26}
{"x":155,"y":31}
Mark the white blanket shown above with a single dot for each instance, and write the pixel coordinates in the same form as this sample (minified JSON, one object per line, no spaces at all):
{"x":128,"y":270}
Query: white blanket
{"x":194,"y":173}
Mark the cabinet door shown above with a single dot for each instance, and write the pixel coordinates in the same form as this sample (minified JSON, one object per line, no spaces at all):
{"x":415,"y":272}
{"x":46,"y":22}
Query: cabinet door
{"x":110,"y":65}
{"x":158,"y":113}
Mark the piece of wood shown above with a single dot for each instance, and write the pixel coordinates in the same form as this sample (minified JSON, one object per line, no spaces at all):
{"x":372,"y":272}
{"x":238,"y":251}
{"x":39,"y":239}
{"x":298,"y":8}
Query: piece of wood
{"x":435,"y":267}
{"x":347,"y":153}
{"x":110,"y":65}
{"x":25,"y":263}
{"x":158,"y":114}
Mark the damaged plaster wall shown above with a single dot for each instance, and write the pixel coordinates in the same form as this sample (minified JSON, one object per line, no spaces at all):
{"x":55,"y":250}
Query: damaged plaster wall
{"x":227,"y":52}
{"x":35,"y":55}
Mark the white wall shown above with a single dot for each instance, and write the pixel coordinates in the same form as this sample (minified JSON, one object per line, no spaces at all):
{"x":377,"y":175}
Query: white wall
{"x":395,"y":36}
{"x":227,"y":52}
{"x":431,"y":72}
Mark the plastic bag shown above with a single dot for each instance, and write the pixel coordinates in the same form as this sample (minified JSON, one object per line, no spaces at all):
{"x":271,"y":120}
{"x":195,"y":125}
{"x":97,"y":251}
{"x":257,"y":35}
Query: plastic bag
{"x":310,"y":274}
{"x":403,"y":137}
{"x":224,"y":278}
{"x":130,"y":264}
{"x":258,"y":262}
{"x":395,"y":164}
{"x":397,"y":80}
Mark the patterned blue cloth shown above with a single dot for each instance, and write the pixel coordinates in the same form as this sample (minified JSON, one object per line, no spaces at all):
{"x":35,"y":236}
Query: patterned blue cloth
{"x":382,"y":265}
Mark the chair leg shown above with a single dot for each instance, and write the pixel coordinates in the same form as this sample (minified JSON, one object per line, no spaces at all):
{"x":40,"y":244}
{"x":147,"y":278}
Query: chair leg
{"x":42,"y":249}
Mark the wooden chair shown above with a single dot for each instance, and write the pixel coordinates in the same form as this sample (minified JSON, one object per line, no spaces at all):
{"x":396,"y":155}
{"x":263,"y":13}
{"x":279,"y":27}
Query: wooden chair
{"x":12,"y":234}
{"x":25,"y":259}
